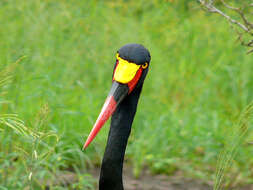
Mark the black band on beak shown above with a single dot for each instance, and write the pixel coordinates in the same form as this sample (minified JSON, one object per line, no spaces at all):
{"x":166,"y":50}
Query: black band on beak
{"x":118,"y":91}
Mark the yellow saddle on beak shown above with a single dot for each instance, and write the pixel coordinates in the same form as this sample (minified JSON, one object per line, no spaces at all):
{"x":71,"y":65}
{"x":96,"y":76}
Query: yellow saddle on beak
{"x":125,"y":71}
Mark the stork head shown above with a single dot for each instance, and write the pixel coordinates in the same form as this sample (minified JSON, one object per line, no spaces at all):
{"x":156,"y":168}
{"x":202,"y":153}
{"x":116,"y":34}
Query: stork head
{"x":130,"y":69}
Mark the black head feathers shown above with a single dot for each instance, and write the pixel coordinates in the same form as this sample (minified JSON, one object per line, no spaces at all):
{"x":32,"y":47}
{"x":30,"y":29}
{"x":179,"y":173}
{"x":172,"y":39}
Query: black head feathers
{"x":135,"y":53}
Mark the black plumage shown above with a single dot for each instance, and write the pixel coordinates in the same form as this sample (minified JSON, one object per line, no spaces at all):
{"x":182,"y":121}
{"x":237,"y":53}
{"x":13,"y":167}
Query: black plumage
{"x":122,"y":118}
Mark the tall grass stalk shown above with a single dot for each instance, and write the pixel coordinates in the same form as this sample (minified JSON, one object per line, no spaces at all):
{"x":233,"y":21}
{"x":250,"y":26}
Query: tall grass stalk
{"x":234,"y":142}
{"x":10,"y":120}
{"x":30,"y":143}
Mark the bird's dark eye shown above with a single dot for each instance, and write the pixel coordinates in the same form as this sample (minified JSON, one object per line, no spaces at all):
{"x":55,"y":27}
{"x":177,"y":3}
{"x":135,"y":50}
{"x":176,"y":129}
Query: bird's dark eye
{"x":144,"y":66}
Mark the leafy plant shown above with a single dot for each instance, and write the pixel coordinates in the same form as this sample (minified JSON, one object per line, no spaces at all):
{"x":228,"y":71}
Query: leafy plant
{"x":28,"y":158}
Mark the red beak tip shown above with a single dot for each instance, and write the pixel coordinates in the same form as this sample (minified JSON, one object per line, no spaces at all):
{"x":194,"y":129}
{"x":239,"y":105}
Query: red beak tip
{"x":107,"y":110}
{"x":85,"y":146}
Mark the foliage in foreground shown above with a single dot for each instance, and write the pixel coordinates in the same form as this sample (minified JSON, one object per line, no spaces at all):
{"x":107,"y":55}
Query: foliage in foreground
{"x":28,"y":158}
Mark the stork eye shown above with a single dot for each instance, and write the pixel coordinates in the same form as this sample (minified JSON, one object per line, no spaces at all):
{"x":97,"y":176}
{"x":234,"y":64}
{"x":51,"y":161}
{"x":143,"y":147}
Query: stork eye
{"x":144,"y":66}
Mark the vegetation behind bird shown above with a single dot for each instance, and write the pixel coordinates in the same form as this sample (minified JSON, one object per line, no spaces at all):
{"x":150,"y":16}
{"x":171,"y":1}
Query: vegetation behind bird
{"x":204,"y":80}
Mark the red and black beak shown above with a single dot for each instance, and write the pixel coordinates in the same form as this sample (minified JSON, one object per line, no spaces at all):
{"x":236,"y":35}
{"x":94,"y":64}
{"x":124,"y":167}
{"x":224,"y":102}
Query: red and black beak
{"x":117,"y":93}
{"x":125,"y":78}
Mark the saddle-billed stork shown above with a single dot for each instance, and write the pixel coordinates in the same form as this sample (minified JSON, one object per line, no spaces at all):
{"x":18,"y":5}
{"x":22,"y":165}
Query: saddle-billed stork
{"x":130,"y":70}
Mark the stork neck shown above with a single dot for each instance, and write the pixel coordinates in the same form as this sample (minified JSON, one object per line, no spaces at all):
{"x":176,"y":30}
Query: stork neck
{"x":121,"y":122}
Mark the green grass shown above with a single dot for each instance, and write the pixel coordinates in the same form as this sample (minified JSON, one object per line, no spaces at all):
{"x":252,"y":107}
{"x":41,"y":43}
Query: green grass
{"x":199,"y":82}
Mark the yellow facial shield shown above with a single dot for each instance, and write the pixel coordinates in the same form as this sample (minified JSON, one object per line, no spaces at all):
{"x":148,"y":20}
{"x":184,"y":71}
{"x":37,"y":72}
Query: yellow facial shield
{"x":125,"y":71}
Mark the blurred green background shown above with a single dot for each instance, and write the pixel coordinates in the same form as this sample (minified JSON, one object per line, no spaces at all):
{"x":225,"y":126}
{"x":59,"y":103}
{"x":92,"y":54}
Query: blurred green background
{"x":199,"y":82}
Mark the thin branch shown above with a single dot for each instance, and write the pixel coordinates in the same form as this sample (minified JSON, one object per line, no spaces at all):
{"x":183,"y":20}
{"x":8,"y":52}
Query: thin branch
{"x":250,"y":43}
{"x":242,"y":23}
{"x":250,"y":51}
{"x":239,"y":11}
{"x":229,"y":6}
{"x":211,"y":8}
